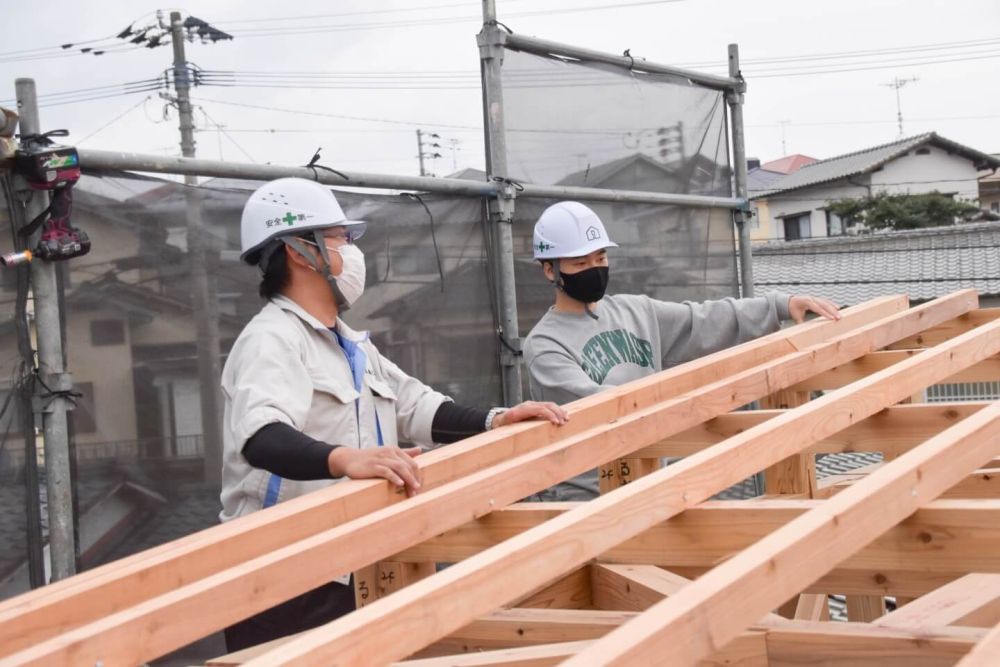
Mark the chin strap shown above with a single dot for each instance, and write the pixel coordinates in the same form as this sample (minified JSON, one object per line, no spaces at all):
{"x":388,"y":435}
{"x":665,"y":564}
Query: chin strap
{"x":321,"y":265}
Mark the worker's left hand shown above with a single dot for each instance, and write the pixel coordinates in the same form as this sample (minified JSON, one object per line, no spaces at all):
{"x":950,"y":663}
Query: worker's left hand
{"x":799,"y":305}
{"x":532,"y":410}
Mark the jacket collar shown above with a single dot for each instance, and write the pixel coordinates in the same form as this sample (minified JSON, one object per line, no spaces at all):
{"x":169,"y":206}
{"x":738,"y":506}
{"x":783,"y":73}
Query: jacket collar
{"x":284,"y":303}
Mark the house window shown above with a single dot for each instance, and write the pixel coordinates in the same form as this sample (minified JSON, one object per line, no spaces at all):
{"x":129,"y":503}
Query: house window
{"x":995,"y":206}
{"x":798,"y":227}
{"x":107,"y":332}
{"x":755,"y":220}
{"x":835,"y":224}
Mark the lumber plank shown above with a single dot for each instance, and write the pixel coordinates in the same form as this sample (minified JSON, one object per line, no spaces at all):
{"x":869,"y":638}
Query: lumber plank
{"x":866,"y":645}
{"x":734,"y":592}
{"x":632,"y":587}
{"x":892,"y":431}
{"x":983,"y":483}
{"x":73,"y":602}
{"x":987,"y":370}
{"x":947,"y":330}
{"x":985,"y":653}
{"x":616,"y":474}
{"x":485,"y":582}
{"x":509,"y":628}
{"x":797,"y":644}
{"x":973,"y":600}
{"x":949,"y":537}
{"x":571,"y":591}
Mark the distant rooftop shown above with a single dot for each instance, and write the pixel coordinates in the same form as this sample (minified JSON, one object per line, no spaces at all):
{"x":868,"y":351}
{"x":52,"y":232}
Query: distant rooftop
{"x":923,"y":263}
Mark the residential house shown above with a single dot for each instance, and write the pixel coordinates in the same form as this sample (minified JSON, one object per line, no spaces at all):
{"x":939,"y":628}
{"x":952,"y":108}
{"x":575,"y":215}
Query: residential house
{"x":761,"y":178}
{"x":797,"y":203}
{"x":989,"y":190}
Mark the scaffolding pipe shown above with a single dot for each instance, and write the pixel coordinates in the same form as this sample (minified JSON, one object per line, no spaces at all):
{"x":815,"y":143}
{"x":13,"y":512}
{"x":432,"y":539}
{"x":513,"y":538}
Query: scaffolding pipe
{"x":546,"y":48}
{"x":58,"y":479}
{"x":102,"y":160}
{"x":740,"y":217}
{"x":501,"y":208}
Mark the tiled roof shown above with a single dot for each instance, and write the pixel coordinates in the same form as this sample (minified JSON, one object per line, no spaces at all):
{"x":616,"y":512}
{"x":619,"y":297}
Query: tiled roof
{"x":762,"y":180}
{"x":869,"y":159}
{"x":924,"y":264}
{"x":789,"y":163}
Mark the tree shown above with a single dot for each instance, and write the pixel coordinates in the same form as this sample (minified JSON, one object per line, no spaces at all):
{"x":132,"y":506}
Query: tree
{"x":886,"y":211}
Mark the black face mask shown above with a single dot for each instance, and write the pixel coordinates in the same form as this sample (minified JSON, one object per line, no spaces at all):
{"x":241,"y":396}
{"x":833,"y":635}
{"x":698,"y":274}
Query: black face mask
{"x":588,"y":285}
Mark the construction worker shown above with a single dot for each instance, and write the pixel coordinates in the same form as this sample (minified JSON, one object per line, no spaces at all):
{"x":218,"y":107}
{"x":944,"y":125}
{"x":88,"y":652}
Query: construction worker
{"x":587,"y":341}
{"x":310,"y":401}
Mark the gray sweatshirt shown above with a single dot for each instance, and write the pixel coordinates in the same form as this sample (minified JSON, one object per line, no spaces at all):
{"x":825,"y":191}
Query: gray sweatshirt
{"x":570,"y":356}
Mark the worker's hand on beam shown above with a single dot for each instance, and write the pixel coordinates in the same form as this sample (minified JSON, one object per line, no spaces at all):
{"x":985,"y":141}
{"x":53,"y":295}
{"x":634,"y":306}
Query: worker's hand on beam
{"x":391,"y":463}
{"x":532,"y":410}
{"x":801,"y":304}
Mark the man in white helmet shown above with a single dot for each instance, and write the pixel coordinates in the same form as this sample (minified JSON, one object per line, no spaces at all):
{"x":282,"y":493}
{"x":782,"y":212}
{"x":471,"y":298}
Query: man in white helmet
{"x":308,"y":400}
{"x":588,"y":341}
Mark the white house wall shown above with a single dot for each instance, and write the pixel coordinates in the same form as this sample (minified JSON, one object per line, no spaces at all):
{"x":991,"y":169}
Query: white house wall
{"x":938,"y":170}
{"x":814,"y":200}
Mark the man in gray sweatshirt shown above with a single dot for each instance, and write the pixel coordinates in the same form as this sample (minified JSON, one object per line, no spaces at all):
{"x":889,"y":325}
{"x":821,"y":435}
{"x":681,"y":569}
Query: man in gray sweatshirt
{"x":588,"y":342}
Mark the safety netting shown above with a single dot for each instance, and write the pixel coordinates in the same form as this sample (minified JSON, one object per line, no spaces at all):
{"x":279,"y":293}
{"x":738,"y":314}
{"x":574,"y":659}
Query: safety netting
{"x":582,"y":123}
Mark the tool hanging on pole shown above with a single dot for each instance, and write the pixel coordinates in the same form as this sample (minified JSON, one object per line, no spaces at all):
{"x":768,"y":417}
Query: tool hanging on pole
{"x":46,"y":165}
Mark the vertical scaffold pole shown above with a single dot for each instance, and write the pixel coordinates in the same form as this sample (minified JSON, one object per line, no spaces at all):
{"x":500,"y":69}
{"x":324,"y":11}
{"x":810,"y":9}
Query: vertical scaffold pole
{"x":491,"y":48}
{"x":735,"y":99}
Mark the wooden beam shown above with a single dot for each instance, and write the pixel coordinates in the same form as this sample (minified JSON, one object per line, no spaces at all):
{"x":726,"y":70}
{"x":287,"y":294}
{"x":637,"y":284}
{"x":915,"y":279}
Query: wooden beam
{"x":94,"y":595}
{"x":983,"y":483}
{"x":486,"y":581}
{"x":510,"y":628}
{"x":786,"y":561}
{"x":571,"y":591}
{"x":791,"y":644}
{"x":973,"y":600}
{"x":947,"y":330}
{"x":632,"y":587}
{"x":866,"y":645}
{"x":950,"y":537}
{"x":895,"y":430}
{"x":987,"y":370}
{"x":985,"y":653}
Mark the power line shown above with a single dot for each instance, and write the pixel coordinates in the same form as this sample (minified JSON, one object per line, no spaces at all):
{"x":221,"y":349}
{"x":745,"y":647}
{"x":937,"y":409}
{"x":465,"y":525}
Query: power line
{"x":305,"y":30}
{"x":413,"y":123}
{"x":114,"y":120}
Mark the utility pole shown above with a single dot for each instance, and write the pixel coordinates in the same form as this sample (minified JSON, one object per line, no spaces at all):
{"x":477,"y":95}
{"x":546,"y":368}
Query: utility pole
{"x":52,"y":370}
{"x":898,"y":83}
{"x":431,"y":144}
{"x":203,"y":293}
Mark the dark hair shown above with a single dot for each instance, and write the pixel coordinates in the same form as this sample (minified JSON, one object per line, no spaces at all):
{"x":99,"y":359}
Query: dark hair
{"x":276,"y":274}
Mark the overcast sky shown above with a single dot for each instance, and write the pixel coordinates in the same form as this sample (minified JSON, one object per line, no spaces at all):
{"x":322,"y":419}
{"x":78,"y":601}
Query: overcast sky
{"x":416,"y":64}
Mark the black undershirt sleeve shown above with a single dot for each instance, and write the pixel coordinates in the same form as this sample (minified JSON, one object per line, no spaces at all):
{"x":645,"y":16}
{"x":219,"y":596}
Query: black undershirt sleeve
{"x":454,"y":422}
{"x":288,"y":452}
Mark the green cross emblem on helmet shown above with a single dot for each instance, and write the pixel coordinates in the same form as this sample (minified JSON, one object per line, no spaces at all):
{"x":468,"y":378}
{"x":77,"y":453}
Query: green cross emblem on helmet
{"x":543,"y":246}
{"x":290,"y":218}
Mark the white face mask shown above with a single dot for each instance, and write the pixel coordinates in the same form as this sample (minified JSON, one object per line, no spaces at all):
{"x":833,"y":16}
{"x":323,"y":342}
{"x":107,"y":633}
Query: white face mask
{"x":351,"y":280}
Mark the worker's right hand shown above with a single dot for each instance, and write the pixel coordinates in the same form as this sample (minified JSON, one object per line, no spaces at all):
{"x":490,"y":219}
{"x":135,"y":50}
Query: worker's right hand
{"x":391,"y":463}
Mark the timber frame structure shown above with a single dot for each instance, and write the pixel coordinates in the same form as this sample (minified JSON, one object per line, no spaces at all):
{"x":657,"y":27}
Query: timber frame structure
{"x":653,"y":572}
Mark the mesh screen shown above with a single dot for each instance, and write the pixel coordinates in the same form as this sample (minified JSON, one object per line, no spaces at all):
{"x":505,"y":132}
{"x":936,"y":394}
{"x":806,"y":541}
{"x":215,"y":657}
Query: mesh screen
{"x":142,"y":476}
{"x":578,"y":123}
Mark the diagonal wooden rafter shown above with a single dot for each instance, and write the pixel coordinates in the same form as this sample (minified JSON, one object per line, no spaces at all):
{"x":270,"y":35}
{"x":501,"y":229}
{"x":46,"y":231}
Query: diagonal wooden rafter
{"x":94,"y":595}
{"x":715,"y":608}
{"x":571,"y":539}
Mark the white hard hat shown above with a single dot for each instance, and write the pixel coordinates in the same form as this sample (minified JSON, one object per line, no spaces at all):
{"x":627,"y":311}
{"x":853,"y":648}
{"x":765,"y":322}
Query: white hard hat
{"x":287,"y":207}
{"x":569,"y":229}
